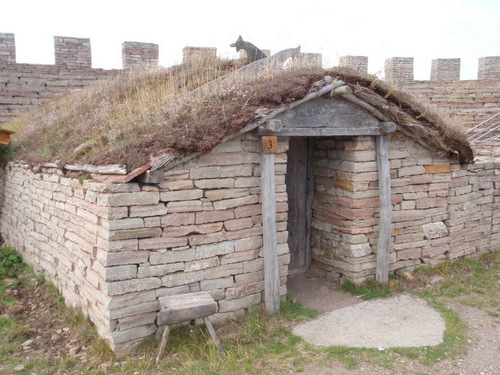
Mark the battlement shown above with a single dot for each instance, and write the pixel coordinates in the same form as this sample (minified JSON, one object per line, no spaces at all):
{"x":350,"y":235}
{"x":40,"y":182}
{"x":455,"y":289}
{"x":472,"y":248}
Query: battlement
{"x":489,"y":68}
{"x":444,"y":70}
{"x":24,"y":86}
{"x":400,"y":70}
{"x":7,"y":48}
{"x":73,"y":52}
{"x":136,"y":54}
{"x":76,"y":53}
{"x":358,"y":63}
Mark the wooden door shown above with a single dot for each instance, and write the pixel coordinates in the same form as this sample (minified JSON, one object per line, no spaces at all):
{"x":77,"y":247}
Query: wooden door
{"x":299,"y":185}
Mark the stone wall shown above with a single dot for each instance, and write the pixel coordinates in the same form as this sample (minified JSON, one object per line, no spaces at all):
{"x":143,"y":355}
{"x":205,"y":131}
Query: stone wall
{"x":344,"y":208}
{"x":441,"y":209}
{"x":53,"y":222}
{"x":467,"y":102}
{"x":25,"y":86}
{"x":114,"y":249}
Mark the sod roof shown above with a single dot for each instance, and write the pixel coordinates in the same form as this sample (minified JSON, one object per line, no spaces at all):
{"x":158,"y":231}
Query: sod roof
{"x":140,"y":115}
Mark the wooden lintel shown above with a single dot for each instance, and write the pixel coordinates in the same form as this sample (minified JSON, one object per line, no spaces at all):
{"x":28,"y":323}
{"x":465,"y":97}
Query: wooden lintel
{"x":271,"y":266}
{"x":323,"y":132}
{"x":384,"y":237}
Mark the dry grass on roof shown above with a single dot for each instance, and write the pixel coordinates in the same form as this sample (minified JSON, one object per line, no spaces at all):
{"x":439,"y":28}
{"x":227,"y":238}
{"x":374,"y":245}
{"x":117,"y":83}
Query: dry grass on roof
{"x":127,"y":119}
{"x":136,"y":115}
{"x":416,"y":116}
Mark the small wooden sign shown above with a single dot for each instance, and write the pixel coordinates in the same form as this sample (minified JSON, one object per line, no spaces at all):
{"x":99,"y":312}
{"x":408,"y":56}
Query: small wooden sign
{"x":5,"y":136}
{"x":270,"y":144}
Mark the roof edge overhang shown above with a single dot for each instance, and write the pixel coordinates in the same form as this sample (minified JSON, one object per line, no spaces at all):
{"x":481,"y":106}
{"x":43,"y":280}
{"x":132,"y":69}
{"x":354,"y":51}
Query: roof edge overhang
{"x":373,"y":103}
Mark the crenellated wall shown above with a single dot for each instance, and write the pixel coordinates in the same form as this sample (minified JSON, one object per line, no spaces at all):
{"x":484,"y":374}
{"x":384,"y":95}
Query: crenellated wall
{"x":469,"y":102}
{"x":25,"y":86}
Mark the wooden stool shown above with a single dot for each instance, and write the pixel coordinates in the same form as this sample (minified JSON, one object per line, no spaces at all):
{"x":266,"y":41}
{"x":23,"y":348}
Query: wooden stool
{"x":186,"y":307}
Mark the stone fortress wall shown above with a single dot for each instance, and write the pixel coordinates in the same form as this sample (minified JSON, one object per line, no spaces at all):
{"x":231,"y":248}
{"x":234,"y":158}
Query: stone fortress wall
{"x":469,"y":101}
{"x":25,"y":86}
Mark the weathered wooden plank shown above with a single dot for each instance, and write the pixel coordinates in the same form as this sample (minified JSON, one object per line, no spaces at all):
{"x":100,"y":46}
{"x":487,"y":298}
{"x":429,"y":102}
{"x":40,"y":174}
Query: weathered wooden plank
{"x":185,"y":307}
{"x":215,"y":339}
{"x":309,"y":201}
{"x":297,"y":192}
{"x":368,"y":107}
{"x":164,"y":339}
{"x":122,"y":179}
{"x":98,"y":169}
{"x":323,"y":132}
{"x":271,"y":268}
{"x":387,"y":127}
{"x":328,"y":113}
{"x":384,"y":239}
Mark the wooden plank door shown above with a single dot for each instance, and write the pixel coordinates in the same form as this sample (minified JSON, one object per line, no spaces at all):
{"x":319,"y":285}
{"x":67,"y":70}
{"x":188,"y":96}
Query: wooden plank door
{"x":299,"y":184}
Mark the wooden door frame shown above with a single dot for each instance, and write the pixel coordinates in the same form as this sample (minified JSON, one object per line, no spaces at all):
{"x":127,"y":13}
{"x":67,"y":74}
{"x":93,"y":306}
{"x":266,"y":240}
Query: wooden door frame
{"x":309,"y":189}
{"x":271,"y":269}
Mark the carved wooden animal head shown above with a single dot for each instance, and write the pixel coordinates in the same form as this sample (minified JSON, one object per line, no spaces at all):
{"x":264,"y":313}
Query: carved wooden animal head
{"x":237,"y":44}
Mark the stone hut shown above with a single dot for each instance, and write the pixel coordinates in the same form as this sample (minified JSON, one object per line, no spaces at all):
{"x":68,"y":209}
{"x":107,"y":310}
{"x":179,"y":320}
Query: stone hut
{"x":350,"y":178}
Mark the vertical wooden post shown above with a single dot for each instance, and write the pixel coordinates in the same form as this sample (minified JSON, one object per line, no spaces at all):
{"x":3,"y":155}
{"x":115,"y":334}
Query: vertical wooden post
{"x":271,"y":267}
{"x":384,"y":182}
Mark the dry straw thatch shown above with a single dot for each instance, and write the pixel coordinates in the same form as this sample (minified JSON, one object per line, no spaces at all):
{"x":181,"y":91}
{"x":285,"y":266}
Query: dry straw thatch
{"x":142,"y":114}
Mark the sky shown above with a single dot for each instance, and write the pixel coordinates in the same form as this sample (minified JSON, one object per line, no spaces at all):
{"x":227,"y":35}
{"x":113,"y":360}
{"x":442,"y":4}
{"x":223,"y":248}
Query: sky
{"x":423,"y":29}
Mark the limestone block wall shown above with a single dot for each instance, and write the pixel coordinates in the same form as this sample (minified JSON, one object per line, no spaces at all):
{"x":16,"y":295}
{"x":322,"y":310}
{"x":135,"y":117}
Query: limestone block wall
{"x":441,"y":209}
{"x":114,"y":249}
{"x":25,"y":86}
{"x":137,"y":54}
{"x":468,"y":102}
{"x":489,"y":68}
{"x":345,"y":207}
{"x":54,"y":222}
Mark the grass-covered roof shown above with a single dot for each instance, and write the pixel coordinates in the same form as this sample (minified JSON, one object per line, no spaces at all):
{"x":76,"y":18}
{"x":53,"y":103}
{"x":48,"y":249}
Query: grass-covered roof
{"x":138,"y":115}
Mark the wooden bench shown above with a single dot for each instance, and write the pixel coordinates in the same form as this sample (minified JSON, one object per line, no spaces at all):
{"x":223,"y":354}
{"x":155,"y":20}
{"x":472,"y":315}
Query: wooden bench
{"x":186,"y":307}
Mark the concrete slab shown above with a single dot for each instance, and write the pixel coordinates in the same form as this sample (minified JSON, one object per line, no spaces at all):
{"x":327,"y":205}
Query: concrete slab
{"x":401,"y":321}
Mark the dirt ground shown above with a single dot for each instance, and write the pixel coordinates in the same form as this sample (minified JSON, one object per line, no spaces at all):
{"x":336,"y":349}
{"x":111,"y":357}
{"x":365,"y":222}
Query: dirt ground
{"x":52,"y":336}
{"x":483,"y":357}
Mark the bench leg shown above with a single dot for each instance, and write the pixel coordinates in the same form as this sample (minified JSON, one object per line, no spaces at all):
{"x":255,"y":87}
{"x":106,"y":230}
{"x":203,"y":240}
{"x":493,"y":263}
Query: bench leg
{"x":164,"y":339}
{"x":215,"y":339}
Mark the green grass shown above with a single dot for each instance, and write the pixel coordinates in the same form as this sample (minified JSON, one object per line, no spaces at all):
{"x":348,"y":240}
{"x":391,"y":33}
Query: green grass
{"x":258,"y":343}
{"x":11,"y":263}
{"x":475,"y":282}
{"x":294,"y":311}
{"x":370,"y":289}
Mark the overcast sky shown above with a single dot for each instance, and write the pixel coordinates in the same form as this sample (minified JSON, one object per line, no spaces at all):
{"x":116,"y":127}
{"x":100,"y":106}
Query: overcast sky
{"x":423,"y":29}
